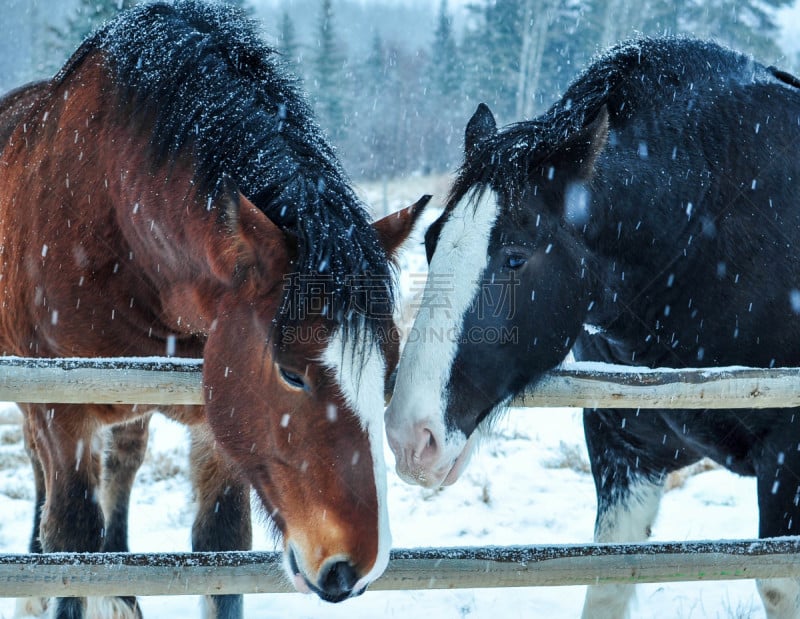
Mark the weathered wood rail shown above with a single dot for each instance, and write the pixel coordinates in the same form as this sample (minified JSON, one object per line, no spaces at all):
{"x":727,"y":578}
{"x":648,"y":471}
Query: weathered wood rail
{"x":179,"y":381}
{"x":67,"y":575}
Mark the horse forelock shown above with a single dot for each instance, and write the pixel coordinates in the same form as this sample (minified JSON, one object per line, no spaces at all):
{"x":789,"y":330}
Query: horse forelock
{"x":198,"y":79}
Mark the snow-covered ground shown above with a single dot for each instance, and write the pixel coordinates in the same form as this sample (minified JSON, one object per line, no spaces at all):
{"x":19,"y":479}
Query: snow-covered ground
{"x":528,"y":484}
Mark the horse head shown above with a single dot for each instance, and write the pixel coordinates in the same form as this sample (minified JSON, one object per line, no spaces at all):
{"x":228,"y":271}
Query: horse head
{"x":294,"y":392}
{"x":506,"y":294}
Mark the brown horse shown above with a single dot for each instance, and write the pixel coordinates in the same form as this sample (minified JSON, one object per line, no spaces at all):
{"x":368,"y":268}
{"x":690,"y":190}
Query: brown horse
{"x":126,"y":231}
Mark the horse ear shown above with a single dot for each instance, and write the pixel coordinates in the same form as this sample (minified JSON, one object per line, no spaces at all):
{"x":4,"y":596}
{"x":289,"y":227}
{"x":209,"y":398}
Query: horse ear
{"x":572,"y":165}
{"x":251,"y":240}
{"x":567,"y":171}
{"x":394,"y":229}
{"x":586,"y":146}
{"x":479,"y":128}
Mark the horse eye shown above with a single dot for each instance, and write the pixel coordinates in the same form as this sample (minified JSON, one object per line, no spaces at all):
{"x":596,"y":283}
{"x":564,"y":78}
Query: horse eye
{"x":515,"y":261}
{"x":293,"y":379}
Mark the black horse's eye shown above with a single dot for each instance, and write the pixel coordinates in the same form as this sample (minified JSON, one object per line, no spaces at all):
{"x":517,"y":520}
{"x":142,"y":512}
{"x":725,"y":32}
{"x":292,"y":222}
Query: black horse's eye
{"x":515,"y":261}
{"x":293,"y":379}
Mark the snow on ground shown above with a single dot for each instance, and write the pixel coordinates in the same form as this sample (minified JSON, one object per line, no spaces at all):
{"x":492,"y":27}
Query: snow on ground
{"x":528,"y":484}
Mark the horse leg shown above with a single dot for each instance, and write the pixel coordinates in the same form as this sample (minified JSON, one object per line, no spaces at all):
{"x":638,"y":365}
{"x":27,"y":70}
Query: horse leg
{"x":34,"y":606}
{"x":124,"y":455}
{"x":223,"y":514}
{"x":626,"y":515}
{"x":778,"y":498}
{"x":72,"y":519}
{"x":35,"y":544}
{"x":628,"y":497}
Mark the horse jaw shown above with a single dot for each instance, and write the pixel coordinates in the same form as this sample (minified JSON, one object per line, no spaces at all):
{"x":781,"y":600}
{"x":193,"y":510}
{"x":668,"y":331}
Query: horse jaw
{"x":429,"y":451}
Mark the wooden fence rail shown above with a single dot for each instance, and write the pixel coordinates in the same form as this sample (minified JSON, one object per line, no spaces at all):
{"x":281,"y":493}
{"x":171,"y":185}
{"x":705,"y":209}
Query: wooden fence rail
{"x":68,"y":575}
{"x":179,"y":381}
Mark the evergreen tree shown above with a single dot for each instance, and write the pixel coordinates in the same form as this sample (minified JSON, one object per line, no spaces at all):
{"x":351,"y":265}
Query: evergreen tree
{"x":376,"y":111}
{"x":661,"y":17}
{"x":746,"y":25}
{"x":494,"y":50}
{"x":87,"y":17}
{"x":611,"y":21}
{"x":375,"y":70}
{"x":444,"y":74}
{"x":287,"y":40}
{"x":522,"y":53}
{"x":444,"y":109}
{"x":327,"y":75}
{"x":557,"y":49}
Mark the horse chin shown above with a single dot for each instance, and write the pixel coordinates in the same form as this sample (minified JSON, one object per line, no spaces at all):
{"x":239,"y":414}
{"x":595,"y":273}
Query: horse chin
{"x":461,"y":462}
{"x":296,"y":576}
{"x":304,"y":585}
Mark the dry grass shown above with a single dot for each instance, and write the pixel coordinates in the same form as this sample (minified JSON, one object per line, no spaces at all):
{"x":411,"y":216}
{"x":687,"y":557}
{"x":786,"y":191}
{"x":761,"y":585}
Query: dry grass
{"x":10,"y":435}
{"x":677,"y":479}
{"x":164,"y":465}
{"x":568,"y":456}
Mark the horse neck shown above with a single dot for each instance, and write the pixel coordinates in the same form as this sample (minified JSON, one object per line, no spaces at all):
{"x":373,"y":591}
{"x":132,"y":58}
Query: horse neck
{"x":150,"y":217}
{"x":635,"y":251}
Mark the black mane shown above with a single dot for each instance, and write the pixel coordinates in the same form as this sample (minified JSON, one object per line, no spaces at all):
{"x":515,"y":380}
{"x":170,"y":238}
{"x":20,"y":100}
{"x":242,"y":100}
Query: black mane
{"x":199,"y":76}
{"x":626,"y":75}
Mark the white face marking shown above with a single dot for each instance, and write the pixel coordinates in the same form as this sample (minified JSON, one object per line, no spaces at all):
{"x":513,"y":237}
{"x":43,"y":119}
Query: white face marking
{"x":360,"y":371}
{"x":419,"y":397}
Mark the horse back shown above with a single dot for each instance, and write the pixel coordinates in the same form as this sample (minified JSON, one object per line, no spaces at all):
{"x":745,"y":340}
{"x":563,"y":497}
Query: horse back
{"x":694,"y":199}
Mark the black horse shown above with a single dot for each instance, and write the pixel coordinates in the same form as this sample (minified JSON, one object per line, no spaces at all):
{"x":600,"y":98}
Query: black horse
{"x":651,"y":217}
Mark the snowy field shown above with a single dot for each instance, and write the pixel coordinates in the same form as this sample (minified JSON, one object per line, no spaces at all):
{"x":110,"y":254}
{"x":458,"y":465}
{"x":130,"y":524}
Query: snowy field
{"x":528,"y":484}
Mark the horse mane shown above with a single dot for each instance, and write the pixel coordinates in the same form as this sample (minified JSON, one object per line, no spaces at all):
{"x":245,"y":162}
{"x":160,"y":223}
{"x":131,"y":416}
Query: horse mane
{"x":198,"y":76}
{"x":621,"y":78}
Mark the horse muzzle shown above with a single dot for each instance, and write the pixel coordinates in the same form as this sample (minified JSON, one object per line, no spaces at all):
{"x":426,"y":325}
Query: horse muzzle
{"x":337,"y":580}
{"x":426,"y":457}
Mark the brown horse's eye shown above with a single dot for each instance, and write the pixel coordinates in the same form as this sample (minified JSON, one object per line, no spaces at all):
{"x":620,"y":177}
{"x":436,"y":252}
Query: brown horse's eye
{"x":293,"y":379}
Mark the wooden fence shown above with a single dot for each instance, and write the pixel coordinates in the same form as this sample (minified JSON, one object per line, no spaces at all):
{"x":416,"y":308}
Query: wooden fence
{"x":178,"y":381}
{"x":173,"y":381}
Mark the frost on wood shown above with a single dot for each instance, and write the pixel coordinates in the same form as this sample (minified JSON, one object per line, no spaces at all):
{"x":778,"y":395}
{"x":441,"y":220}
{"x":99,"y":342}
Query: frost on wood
{"x":414,"y":568}
{"x":167,"y":380}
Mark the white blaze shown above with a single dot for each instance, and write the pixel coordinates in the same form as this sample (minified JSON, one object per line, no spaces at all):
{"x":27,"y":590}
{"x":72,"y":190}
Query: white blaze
{"x":360,"y":371}
{"x":454,"y":277}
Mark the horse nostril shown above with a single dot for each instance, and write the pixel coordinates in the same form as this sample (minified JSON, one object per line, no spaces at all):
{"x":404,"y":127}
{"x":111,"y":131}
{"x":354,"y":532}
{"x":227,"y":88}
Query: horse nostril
{"x":427,"y":447}
{"x":337,"y":581}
